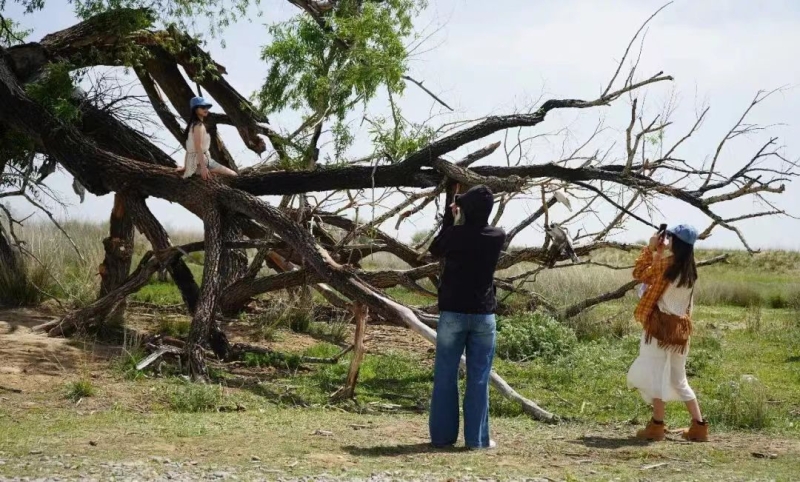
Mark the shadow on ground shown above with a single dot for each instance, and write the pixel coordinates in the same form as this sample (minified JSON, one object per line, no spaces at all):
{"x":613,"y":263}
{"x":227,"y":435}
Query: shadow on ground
{"x":610,"y":442}
{"x":399,"y":450}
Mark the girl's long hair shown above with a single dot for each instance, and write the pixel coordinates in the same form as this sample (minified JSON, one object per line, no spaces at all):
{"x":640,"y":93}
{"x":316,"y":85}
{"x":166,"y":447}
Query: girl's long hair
{"x":194,"y":119}
{"x":684,"y":268}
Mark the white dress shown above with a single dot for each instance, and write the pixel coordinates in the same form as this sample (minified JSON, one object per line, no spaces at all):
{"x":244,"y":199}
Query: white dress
{"x":660,"y":373}
{"x":191,"y":162}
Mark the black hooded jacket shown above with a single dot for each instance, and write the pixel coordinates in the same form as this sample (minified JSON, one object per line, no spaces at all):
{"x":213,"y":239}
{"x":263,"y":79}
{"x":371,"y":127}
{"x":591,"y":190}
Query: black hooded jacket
{"x":470,"y":253}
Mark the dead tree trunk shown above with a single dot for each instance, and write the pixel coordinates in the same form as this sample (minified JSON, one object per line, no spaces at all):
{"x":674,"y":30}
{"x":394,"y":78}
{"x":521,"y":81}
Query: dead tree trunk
{"x":159,"y":240}
{"x":117,"y":262}
{"x":203,"y":321}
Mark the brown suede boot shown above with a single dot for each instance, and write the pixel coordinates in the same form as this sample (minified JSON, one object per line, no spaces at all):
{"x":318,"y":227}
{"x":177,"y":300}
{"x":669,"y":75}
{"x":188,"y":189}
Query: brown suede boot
{"x":697,"y":432}
{"x":653,"y":431}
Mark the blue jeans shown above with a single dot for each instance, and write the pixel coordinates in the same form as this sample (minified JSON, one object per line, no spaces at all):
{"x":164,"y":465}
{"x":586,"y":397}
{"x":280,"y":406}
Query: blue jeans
{"x":455,"y":333}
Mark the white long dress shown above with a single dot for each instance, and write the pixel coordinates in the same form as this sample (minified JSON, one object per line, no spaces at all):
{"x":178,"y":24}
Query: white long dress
{"x":191,"y":162}
{"x":660,"y":373}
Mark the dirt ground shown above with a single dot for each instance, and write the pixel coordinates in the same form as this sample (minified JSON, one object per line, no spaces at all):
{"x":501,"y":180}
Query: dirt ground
{"x":117,"y":434}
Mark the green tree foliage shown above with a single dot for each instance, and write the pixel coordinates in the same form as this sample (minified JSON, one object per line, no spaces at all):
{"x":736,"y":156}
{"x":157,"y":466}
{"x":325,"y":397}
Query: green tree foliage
{"x":54,"y":90}
{"x":326,"y":65}
{"x":183,"y":13}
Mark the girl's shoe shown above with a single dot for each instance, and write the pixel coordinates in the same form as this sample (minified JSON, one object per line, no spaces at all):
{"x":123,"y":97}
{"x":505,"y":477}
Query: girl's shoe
{"x":653,"y":431}
{"x":697,"y":432}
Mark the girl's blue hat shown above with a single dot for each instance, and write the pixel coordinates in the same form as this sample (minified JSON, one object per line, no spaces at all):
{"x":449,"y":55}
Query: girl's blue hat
{"x":684,"y":232}
{"x":199,"y":102}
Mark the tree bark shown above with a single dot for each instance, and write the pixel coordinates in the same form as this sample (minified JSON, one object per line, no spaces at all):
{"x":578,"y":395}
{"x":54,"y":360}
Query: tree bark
{"x":118,"y":253}
{"x":233,"y":265}
{"x":203,"y":321}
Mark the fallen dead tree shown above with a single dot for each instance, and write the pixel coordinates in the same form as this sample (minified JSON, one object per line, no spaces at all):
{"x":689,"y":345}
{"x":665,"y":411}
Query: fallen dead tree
{"x":315,"y":244}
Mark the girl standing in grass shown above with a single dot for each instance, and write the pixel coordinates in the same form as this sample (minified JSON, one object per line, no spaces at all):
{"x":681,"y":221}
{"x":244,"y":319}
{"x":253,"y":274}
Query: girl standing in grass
{"x":668,"y":269}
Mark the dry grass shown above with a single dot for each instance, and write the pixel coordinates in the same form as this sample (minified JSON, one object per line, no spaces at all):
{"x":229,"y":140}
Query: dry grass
{"x":74,"y":278}
{"x":767,"y":279}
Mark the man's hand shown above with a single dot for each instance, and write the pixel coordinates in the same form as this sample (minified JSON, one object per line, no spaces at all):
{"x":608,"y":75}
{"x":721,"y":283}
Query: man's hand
{"x":454,"y":210}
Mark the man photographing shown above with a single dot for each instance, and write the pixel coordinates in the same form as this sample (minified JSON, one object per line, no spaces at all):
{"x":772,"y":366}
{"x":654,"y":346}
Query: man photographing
{"x":467,"y":303}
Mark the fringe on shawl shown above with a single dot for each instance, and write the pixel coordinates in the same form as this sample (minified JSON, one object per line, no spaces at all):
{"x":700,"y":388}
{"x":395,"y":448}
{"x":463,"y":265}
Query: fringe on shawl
{"x":672,"y":332}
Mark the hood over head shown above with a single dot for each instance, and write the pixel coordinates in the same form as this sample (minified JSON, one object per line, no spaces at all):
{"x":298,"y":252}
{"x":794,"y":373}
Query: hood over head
{"x":476,"y":205}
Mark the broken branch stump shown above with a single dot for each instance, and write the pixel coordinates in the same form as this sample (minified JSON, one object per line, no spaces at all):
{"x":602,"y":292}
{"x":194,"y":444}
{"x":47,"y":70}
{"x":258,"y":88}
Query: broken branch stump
{"x":360,"y":313}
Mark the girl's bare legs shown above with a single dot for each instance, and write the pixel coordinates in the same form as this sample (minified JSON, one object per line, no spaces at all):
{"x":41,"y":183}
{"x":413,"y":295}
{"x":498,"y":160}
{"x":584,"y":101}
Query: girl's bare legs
{"x":694,"y":409}
{"x":223,"y":171}
{"x":659,"y":409}
{"x":180,"y":170}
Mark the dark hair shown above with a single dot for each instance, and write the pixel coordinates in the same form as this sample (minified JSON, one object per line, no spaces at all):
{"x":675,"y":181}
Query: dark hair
{"x":194,"y":119}
{"x":683,"y":268}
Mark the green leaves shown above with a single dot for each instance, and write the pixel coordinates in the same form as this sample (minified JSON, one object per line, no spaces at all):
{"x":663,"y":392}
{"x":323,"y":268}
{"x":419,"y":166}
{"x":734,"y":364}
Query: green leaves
{"x":10,"y":32}
{"x":325,"y":65}
{"x":183,"y":13}
{"x":54,"y":91}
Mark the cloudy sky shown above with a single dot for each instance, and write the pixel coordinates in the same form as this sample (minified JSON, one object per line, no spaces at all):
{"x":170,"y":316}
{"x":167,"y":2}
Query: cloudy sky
{"x":495,"y":57}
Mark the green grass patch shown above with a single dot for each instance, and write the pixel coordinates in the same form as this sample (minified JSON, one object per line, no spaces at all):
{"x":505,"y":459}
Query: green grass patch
{"x":397,"y":378}
{"x":195,"y":397}
{"x":174,"y":327}
{"x":79,"y":389}
{"x":159,"y":293}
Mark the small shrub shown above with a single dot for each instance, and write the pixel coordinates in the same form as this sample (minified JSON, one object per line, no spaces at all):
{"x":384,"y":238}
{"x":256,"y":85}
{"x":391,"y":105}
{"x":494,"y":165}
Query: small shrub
{"x":622,"y":325}
{"x":743,"y":404}
{"x":589,"y":326}
{"x":335,"y":331}
{"x":193,"y":398}
{"x":299,"y":320}
{"x":79,"y":389}
{"x":533,"y":335}
{"x":779,"y":301}
{"x":266,"y":326}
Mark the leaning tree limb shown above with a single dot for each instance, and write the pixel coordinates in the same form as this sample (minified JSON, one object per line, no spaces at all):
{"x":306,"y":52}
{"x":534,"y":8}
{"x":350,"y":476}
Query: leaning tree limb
{"x":360,"y":314}
{"x":159,"y":240}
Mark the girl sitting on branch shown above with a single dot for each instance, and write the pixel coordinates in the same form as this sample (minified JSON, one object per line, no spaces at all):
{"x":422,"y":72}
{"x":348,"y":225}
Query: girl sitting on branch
{"x":198,"y":142}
